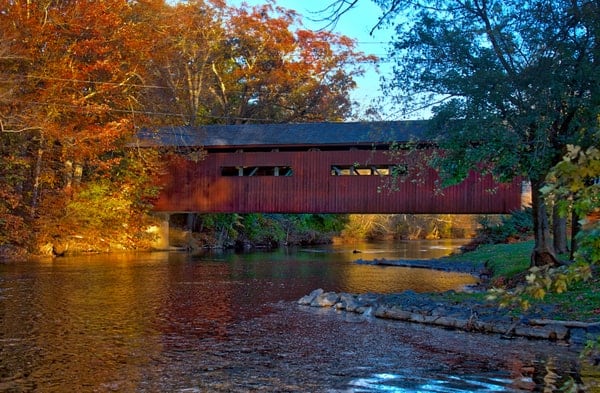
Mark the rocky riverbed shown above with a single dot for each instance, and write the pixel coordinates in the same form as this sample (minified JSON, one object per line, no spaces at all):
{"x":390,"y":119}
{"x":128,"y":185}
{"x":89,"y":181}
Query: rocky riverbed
{"x":467,"y":314}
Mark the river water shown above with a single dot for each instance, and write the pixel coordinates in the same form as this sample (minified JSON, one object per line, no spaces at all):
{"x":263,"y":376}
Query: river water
{"x":173,"y":322}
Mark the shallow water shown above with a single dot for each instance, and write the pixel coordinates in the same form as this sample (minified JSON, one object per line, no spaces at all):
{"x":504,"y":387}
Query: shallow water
{"x":229,"y":323}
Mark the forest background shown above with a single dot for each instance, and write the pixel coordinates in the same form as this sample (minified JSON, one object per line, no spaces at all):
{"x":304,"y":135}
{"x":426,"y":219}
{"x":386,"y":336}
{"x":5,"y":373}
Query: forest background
{"x":79,"y":78}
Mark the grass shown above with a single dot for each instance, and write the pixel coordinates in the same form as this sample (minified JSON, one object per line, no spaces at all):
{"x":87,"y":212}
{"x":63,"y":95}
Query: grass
{"x":504,"y":260}
{"x":580,"y":302}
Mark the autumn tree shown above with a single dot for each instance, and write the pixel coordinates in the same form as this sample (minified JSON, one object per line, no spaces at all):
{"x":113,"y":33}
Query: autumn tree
{"x":74,"y":106}
{"x":284,"y":73}
{"x":188,"y":47}
{"x":250,"y":64}
{"x":510,"y":83}
{"x":14,"y":166}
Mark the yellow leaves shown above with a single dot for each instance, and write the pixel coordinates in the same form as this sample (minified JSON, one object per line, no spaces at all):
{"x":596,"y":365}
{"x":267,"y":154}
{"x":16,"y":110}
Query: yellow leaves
{"x":560,"y":285}
{"x":539,"y":282}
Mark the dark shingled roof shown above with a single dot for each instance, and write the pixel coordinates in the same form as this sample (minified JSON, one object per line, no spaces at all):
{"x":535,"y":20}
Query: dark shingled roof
{"x":297,"y":134}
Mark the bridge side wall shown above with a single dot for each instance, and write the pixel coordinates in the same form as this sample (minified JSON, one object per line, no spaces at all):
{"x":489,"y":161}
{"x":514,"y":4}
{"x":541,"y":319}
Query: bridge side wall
{"x":201,"y":187}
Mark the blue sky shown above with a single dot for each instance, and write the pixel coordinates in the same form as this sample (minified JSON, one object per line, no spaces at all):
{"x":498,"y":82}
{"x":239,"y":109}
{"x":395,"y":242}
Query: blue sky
{"x":357,"y":23}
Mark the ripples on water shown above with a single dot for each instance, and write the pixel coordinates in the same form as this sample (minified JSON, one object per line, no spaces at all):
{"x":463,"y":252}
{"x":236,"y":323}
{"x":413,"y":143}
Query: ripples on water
{"x":229,"y":323}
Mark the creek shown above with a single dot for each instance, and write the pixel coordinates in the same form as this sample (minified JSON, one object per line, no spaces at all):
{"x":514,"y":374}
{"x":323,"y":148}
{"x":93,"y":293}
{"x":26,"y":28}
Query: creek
{"x":227,"y":322}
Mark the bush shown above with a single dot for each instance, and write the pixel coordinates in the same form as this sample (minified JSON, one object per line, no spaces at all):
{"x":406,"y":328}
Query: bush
{"x":514,"y":227}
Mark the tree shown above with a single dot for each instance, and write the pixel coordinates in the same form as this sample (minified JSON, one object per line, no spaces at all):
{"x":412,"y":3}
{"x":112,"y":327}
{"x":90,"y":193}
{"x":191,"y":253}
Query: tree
{"x":575,"y":181}
{"x":14,"y":167}
{"x":73,"y":107}
{"x":190,"y":44}
{"x":250,"y":64}
{"x":279,"y":74}
{"x":510,"y":83}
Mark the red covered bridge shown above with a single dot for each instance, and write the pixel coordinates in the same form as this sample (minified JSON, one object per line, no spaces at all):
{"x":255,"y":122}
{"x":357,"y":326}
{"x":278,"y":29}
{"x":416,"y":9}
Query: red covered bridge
{"x":315,"y":168}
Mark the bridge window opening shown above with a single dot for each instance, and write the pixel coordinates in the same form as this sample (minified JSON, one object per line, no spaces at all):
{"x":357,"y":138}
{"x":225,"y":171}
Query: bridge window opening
{"x":361,"y":170}
{"x":256,"y":171}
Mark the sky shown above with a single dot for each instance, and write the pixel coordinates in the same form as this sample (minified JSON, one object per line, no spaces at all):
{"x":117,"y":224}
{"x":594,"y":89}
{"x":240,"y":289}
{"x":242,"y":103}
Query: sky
{"x":356,"y":24}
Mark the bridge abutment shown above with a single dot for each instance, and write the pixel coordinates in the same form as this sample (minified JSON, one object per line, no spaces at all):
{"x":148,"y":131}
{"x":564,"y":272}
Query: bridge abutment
{"x":161,"y":232}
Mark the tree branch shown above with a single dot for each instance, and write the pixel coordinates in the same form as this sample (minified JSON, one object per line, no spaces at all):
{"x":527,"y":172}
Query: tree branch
{"x":2,"y":129}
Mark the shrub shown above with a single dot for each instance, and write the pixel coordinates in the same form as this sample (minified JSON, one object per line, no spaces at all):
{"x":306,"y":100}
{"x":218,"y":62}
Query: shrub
{"x":514,"y":227}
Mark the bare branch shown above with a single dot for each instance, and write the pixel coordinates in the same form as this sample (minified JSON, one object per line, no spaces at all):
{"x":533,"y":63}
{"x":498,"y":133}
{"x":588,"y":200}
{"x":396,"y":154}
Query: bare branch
{"x":333,"y":12}
{"x":13,"y":131}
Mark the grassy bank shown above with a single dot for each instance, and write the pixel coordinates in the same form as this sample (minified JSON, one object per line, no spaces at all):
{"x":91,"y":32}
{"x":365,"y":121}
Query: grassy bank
{"x":506,"y":261}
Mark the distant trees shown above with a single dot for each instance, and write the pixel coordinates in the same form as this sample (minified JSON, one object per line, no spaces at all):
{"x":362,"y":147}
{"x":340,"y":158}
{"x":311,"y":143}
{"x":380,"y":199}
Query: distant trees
{"x":79,"y":77}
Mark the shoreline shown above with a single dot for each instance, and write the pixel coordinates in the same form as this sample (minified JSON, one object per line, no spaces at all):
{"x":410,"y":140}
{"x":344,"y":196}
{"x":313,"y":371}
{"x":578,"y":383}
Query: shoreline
{"x":469,"y":315}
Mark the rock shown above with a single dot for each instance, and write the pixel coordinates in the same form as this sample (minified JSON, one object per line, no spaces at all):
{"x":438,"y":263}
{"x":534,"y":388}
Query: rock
{"x":393,"y":312}
{"x":327,"y":299}
{"x":472,"y":316}
{"x":308,"y":299}
{"x":347,"y":302}
{"x":547,"y":332}
{"x":367,"y":299}
{"x":60,"y":247}
{"x":559,"y":332}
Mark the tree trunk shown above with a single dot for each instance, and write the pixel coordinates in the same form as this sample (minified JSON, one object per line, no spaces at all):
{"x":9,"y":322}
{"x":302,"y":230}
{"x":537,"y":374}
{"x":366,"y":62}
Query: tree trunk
{"x":575,"y":228}
{"x":559,"y":229}
{"x":543,"y":251}
{"x":37,"y":171}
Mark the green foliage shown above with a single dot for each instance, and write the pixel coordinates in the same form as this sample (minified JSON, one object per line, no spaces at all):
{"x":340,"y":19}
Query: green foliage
{"x":516,"y":226}
{"x":260,"y":229}
{"x":98,"y":207}
{"x":225,"y":224}
{"x":408,"y":226}
{"x":509,"y":83}
{"x":268,"y":230}
{"x":573,"y":183}
{"x":463,"y":57}
{"x":574,"y":177}
{"x":588,"y":245}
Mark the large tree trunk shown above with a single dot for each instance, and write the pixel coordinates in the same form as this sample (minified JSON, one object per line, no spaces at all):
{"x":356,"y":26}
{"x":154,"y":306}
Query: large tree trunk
{"x":543,"y":251}
{"x":559,"y":229}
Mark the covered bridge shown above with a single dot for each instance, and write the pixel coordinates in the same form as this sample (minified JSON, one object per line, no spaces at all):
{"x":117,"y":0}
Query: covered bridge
{"x":315,"y":168}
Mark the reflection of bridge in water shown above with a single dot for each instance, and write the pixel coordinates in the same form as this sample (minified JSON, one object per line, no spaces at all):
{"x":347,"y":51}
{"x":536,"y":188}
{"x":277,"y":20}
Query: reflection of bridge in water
{"x":316,"y":168}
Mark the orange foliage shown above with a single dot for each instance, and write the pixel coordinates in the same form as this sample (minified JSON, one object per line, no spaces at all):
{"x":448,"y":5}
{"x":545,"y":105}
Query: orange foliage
{"x":80,"y":76}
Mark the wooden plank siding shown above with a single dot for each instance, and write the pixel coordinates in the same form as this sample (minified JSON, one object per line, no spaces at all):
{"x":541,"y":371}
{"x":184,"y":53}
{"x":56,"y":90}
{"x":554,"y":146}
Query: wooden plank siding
{"x":201,"y":187}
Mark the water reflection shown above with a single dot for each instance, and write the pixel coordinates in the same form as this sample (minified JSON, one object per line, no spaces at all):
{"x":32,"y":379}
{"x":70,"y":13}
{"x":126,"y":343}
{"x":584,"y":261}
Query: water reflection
{"x":228,"y":323}
{"x":450,"y":384}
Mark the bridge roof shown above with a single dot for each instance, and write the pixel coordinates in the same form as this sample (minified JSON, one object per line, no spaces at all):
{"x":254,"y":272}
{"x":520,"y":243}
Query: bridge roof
{"x":287,"y":134}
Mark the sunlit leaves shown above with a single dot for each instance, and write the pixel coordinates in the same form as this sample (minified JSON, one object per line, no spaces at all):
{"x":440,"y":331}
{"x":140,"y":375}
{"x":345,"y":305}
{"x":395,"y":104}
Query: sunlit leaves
{"x":539,"y":282}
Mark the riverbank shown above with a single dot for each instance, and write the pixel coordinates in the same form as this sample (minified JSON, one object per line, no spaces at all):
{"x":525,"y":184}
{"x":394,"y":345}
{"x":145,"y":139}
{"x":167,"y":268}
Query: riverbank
{"x":467,"y":314}
{"x":570,"y":318}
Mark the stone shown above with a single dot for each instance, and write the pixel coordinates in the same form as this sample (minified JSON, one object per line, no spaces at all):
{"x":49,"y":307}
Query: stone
{"x":327,"y":299}
{"x":393,"y":312}
{"x":469,"y":316}
{"x":558,"y":332}
{"x":579,"y":336}
{"x":347,"y":302}
{"x":308,"y":299}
